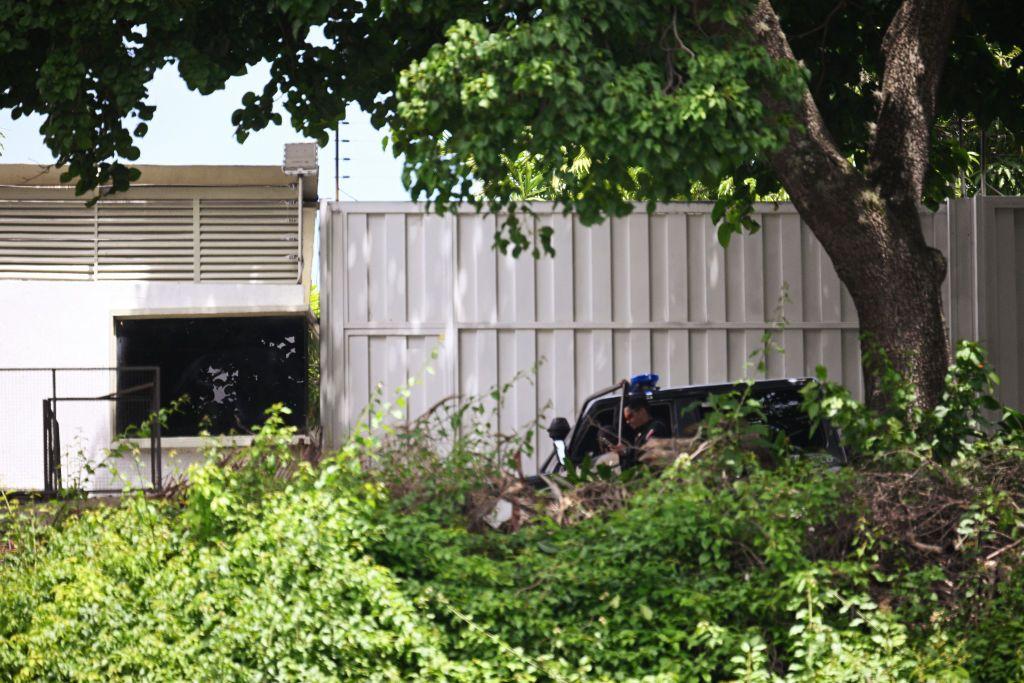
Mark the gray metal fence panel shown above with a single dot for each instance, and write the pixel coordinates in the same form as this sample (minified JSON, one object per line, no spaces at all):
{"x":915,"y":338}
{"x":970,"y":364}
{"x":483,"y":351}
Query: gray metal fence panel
{"x":644,"y":292}
{"x":999,"y":227}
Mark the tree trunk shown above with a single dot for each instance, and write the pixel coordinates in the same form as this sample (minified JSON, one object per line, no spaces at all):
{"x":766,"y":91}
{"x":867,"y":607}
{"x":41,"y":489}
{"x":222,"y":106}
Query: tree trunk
{"x":897,"y":289}
{"x":868,"y":223}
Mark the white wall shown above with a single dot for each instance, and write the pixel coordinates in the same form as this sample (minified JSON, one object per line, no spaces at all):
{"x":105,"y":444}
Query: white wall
{"x":54,"y":324}
{"x":70,"y":324}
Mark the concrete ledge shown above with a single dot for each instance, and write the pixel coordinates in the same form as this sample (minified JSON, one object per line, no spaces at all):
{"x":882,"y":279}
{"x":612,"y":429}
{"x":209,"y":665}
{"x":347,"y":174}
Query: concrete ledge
{"x":197,"y":442}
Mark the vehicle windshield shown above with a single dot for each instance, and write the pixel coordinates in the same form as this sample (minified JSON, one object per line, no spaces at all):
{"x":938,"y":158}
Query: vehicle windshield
{"x":599,"y":429}
{"x":596,"y":429}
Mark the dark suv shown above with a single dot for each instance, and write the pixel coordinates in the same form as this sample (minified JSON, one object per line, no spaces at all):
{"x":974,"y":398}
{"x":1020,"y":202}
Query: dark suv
{"x":682,"y":409}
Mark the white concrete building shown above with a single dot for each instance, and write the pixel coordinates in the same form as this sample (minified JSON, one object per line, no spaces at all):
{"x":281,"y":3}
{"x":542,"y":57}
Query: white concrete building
{"x":203,"y":271}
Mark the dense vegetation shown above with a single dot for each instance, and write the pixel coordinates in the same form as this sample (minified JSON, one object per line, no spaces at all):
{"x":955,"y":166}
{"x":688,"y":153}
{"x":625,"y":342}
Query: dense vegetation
{"x":742,"y":562}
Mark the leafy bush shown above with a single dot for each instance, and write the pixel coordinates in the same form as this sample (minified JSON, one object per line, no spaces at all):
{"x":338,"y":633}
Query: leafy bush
{"x":959,"y":427}
{"x":241,"y":582}
{"x":444,"y":454}
{"x":728,"y":566}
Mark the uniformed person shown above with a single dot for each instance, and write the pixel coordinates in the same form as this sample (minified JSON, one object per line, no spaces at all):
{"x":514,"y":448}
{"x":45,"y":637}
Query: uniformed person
{"x":637,"y":414}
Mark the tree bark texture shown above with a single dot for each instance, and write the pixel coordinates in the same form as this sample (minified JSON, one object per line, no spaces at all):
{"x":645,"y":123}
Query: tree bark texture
{"x":869,"y":224}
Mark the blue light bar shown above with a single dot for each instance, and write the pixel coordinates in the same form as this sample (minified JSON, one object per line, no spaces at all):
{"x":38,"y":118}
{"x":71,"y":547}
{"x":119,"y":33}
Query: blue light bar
{"x":645,"y":383}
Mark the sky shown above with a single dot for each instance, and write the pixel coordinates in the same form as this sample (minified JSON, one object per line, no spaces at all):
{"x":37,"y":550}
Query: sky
{"x":189,"y":128}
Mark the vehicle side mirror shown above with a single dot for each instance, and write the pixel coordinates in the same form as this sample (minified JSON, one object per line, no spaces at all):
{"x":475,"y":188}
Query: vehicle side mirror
{"x":559,"y":429}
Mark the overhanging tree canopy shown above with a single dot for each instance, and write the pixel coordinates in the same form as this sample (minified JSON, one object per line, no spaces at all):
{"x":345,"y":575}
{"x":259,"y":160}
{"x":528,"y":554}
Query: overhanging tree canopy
{"x":847,"y":105}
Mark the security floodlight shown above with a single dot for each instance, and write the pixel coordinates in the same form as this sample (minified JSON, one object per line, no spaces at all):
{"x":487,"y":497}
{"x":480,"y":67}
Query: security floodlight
{"x":300,"y":158}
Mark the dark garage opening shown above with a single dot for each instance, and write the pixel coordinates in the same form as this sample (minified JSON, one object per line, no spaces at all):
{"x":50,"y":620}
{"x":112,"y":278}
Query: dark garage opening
{"x":231,"y":368}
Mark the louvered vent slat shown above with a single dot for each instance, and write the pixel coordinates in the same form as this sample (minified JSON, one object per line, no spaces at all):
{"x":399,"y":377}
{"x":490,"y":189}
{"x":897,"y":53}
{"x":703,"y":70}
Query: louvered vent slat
{"x":44,"y":238}
{"x":243,"y":240}
{"x":248,"y":241}
{"x":145,"y":240}
{"x":51,"y":239}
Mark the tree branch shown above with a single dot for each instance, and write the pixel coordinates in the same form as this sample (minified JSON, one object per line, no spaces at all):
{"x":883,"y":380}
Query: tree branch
{"x":673,"y":77}
{"x":823,"y":26}
{"x":872,"y":235}
{"x":915,"y":46}
{"x":810,"y":165}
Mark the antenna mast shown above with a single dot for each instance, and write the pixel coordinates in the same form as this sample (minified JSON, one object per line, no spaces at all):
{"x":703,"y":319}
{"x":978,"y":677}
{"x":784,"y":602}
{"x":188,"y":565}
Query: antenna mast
{"x":338,"y":159}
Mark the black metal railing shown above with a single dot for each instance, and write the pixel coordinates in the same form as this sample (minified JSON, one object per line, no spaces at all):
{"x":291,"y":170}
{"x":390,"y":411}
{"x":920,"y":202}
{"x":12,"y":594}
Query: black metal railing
{"x":100,"y":430}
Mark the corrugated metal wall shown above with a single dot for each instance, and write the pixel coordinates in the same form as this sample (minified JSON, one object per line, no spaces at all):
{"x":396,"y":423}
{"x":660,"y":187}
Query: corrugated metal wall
{"x":648,"y":292}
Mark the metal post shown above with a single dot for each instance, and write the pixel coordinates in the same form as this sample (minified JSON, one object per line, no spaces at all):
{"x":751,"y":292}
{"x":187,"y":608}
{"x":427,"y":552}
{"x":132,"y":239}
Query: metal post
{"x":47,"y":483}
{"x":622,"y":405}
{"x":155,"y":434}
{"x":961,"y":180}
{"x":55,"y":464}
{"x":54,"y":456}
{"x":54,"y":449}
{"x":983,"y":186}
{"x":298,"y":277}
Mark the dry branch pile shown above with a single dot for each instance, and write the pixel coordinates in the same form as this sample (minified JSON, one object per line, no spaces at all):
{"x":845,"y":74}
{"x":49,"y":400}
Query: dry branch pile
{"x":562,"y":502}
{"x":963,"y":518}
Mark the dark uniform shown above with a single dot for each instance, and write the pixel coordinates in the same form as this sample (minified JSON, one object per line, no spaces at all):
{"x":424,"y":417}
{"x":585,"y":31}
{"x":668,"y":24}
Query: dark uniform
{"x":654,"y":429}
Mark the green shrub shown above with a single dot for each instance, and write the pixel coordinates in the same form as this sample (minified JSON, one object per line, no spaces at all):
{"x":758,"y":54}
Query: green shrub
{"x":968,"y":420}
{"x":726,"y":567}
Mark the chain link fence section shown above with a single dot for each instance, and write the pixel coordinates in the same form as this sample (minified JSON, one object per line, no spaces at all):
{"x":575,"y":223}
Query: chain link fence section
{"x":88,"y":429}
